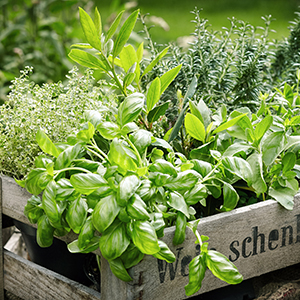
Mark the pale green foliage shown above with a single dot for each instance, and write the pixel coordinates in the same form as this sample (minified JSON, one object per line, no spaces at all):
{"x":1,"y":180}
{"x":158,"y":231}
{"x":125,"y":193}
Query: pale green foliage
{"x":55,"y":107}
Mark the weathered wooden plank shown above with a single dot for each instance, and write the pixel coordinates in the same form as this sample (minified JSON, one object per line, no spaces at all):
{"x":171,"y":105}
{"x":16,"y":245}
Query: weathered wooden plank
{"x":1,"y":248}
{"x":259,"y":238}
{"x":30,"y":281}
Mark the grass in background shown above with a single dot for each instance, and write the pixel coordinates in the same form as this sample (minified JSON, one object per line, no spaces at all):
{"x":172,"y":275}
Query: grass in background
{"x":178,"y":17}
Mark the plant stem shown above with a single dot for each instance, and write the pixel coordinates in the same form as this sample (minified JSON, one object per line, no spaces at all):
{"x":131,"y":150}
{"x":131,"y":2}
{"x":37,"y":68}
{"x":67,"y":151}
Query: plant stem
{"x":71,"y":169}
{"x":135,"y":150}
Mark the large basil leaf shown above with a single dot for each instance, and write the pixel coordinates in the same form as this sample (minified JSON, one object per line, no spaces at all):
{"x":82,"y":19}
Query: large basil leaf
{"x":197,"y":193}
{"x":230,"y":197}
{"x":132,"y":256}
{"x":177,"y":201}
{"x":163,"y":166}
{"x":105,"y":213}
{"x":76,"y":214}
{"x":66,"y":157}
{"x":86,"y":233}
{"x":127,"y":188}
{"x":118,"y":269}
{"x":222,"y":268}
{"x":144,"y":237}
{"x":141,"y":139}
{"x":202,"y":167}
{"x":137,"y":209}
{"x":197,"y":269}
{"x":90,"y":247}
{"x":44,"y":234}
{"x":194,"y":127}
{"x":33,"y":210}
{"x":109,"y":130}
{"x":184,"y":181}
{"x":283,"y":195}
{"x":179,"y":235}
{"x":87,"y":183}
{"x":114,"y":240}
{"x":86,"y":133}
{"x":164,"y":253}
{"x":36,"y":180}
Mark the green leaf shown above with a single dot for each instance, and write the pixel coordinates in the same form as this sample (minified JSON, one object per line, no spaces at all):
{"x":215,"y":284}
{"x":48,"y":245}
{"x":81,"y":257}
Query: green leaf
{"x":294,"y":121}
{"x":230,"y":197}
{"x":238,"y":167}
{"x":184,"y":181}
{"x":127,"y":188}
{"x":118,"y":269}
{"x":155,"y":61}
{"x":130,"y":108}
{"x":87,"y":183}
{"x":256,"y":164}
{"x":288,"y":94}
{"x":118,"y":155}
{"x":177,"y":202}
{"x":44,"y":234}
{"x":205,"y":113}
{"x":141,"y":140}
{"x":202,"y":167}
{"x":196,"y":194}
{"x":109,"y":130}
{"x":34,"y":180}
{"x":194,"y":127}
{"x":283,"y":195}
{"x":222,"y":268}
{"x":98,"y":23}
{"x":272,"y":146}
{"x":128,"y":57}
{"x":164,"y":253}
{"x":229,"y":123}
{"x":163,"y":166}
{"x":153,"y":94}
{"x":86,"y":133}
{"x":89,"y":29}
{"x":124,"y":33}
{"x":76,"y":214}
{"x":168,"y":77}
{"x":66,"y":157}
{"x":237,"y":148}
{"x":46,"y":144}
{"x":87,"y":60}
{"x":114,"y":240}
{"x":144,"y":237}
{"x":86,"y":234}
{"x":128,"y":80}
{"x":179,"y":235}
{"x":288,"y":161}
{"x":262,"y":127}
{"x":132,"y":256}
{"x":157,"y":112}
{"x":90,"y":247}
{"x":105,"y":213}
{"x":33,"y":210}
{"x":197,"y":268}
{"x":137,"y":208}
{"x":114,"y":26}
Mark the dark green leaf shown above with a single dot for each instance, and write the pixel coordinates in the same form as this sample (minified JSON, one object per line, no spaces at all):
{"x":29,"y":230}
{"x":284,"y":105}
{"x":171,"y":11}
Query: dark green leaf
{"x":157,"y":112}
{"x":76,"y":214}
{"x":127,"y":188}
{"x":132,"y":256}
{"x":90,"y":247}
{"x":179,"y":235}
{"x":105,"y":213}
{"x":114,"y":240}
{"x":118,"y":269}
{"x":165,"y":253}
{"x":230,"y":197}
{"x":44,"y":234}
{"x":177,"y":201}
{"x":137,"y":209}
{"x":33,"y":210}
{"x":86,"y":233}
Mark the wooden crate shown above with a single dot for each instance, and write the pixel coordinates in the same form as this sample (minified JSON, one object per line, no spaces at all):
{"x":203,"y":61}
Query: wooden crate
{"x":259,"y":239}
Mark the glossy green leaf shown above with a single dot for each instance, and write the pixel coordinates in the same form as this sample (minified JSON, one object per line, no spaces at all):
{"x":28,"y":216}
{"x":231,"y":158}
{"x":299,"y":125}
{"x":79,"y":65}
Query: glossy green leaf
{"x":76,"y":214}
{"x":128,"y":79}
{"x":118,"y":269}
{"x":155,"y":61}
{"x":237,"y":148}
{"x":124,"y":33}
{"x":98,"y":23}
{"x":89,"y":29}
{"x":239,"y":167}
{"x":179,"y":235}
{"x":294,"y":121}
{"x":111,"y":31}
{"x":222,"y":267}
{"x":128,"y":57}
{"x":109,"y":130}
{"x":130,"y":108}
{"x":66,"y":157}
{"x":137,"y":208}
{"x":197,"y":269}
{"x":168,"y":77}
{"x":163,"y":166}
{"x":33,"y":178}
{"x":87,"y":60}
{"x":153,"y":94}
{"x":230,"y":197}
{"x":129,"y":128}
{"x":164,"y":253}
{"x":92,"y":116}
{"x":184,"y":181}
{"x":90,"y":247}
{"x":256,"y":164}
{"x":272,"y":146}
{"x":177,"y":201}
{"x":132,"y":256}
{"x":105,"y":213}
{"x":141,"y":139}
{"x":144,"y":237}
{"x":127,"y":188}
{"x":33,"y":210}
{"x":46,"y":144}
{"x":119,"y":156}
{"x":202,"y":167}
{"x":86,"y":133}
{"x":114,"y":240}
{"x":194,"y":127}
{"x":283,"y":195}
{"x":86,"y":233}
{"x":44,"y":234}
{"x":197,"y":193}
{"x":157,"y":112}
{"x":87,"y":183}
{"x":262,"y":127}
{"x":228,"y":124}
{"x":288,"y":161}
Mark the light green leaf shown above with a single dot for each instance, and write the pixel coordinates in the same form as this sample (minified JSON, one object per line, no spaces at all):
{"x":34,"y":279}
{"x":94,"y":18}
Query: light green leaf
{"x":66,"y":157}
{"x":230,"y":197}
{"x":262,"y":127}
{"x":90,"y":247}
{"x":46,"y":144}
{"x":177,"y":201}
{"x":124,"y":33}
{"x":89,"y":29}
{"x":137,"y":208}
{"x":194,"y":127}
{"x":109,"y":130}
{"x":128,"y":57}
{"x":76,"y":214}
{"x":87,"y":60}
{"x":127,"y":188}
{"x":153,"y":94}
{"x":229,"y":123}
{"x":164,"y":253}
{"x":114,"y":26}
{"x":283,"y":195}
{"x":168,"y":77}
{"x":272,"y":146}
{"x":98,"y":23}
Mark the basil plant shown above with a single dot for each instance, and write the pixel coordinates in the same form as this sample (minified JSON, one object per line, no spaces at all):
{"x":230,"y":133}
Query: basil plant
{"x":118,"y":187}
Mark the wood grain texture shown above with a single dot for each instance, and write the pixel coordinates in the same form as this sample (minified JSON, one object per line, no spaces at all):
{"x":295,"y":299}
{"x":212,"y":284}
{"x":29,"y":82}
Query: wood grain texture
{"x":30,"y":281}
{"x":1,"y":248}
{"x":259,"y":239}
